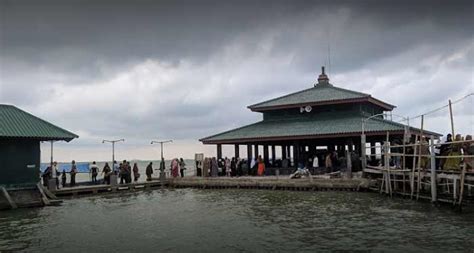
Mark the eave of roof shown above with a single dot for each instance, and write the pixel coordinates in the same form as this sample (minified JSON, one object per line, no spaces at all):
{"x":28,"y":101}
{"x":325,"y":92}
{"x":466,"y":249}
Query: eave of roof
{"x":18,"y":124}
{"x":294,"y":130}
{"x":350,"y":97}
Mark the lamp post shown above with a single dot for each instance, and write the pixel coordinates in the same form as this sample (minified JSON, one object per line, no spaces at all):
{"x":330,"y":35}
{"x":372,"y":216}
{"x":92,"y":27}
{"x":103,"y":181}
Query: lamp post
{"x":362,"y":138}
{"x":113,"y":151}
{"x":162,"y":162}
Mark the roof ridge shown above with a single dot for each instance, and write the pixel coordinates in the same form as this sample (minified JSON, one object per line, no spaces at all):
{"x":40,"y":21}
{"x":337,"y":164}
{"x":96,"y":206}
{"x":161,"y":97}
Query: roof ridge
{"x":284,"y":96}
{"x":363,"y":95}
{"x":353,"y":91}
{"x":42,"y":120}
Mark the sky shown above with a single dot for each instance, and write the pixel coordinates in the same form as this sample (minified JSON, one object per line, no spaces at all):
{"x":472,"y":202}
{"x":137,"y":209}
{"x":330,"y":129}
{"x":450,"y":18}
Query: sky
{"x":184,"y":70}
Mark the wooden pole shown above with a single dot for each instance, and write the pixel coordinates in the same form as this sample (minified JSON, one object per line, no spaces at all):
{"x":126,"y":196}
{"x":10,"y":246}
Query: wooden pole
{"x":462,"y":179}
{"x":419,"y":159}
{"x":412,"y":180}
{"x":434,"y":193}
{"x":451,"y":115}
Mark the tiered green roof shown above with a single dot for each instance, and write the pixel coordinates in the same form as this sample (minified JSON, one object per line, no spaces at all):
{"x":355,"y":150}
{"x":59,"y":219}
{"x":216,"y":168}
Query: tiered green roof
{"x":318,"y":95}
{"x":310,"y":128}
{"x":339,"y":115}
{"x":16,"y":123}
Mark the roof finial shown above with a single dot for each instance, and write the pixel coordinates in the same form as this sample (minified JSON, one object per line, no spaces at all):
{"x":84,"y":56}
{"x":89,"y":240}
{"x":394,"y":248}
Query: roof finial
{"x":323,"y":79}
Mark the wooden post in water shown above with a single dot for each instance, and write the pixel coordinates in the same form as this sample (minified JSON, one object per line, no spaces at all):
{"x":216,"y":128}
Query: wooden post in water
{"x":412,"y":180}
{"x":419,"y":159}
{"x":349,"y":164}
{"x":434,"y":192}
{"x":451,"y":116}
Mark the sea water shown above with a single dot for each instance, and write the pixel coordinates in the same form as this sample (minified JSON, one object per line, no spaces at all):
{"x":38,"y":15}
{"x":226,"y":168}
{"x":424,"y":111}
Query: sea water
{"x":192,"y":220}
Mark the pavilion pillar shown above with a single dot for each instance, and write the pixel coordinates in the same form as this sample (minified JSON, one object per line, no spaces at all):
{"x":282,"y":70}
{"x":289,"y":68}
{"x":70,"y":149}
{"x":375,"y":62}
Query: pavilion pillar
{"x":296,"y":153}
{"x":358,"y":150}
{"x":265,"y":154}
{"x":312,"y":150}
{"x":255,"y":151}
{"x":283,"y":152}
{"x":219,"y":151}
{"x":237,"y":151}
{"x":273,"y":155}
{"x":249,"y":155}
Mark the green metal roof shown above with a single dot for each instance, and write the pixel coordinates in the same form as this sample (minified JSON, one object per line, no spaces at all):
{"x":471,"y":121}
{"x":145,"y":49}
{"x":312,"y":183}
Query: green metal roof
{"x":317,"y":94}
{"x":16,"y":123}
{"x":313,"y":127}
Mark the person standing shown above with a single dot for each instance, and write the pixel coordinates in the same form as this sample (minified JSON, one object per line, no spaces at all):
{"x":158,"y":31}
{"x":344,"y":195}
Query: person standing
{"x":107,"y":172}
{"x":122,"y":172}
{"x":227,"y":167}
{"x":206,"y":167}
{"x":252,"y":169}
{"x":116,"y":168}
{"x":468,"y":149}
{"x":136,"y":174}
{"x":214,"y":169}
{"x":55,"y":174}
{"x":174,"y":168}
{"x":315,"y":162}
{"x":328,"y":163}
{"x":149,"y":171}
{"x":73,"y":173}
{"x":94,"y":170}
{"x":233,"y":167}
{"x":182,"y":167}
{"x":444,"y":150}
{"x":63,"y":178}
{"x":261,"y":166}
{"x":128,"y":170}
{"x":453,"y":163}
{"x":46,"y":176}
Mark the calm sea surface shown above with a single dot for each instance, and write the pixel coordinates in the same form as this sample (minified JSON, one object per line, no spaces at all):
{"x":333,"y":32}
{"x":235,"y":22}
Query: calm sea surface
{"x":191,"y":220}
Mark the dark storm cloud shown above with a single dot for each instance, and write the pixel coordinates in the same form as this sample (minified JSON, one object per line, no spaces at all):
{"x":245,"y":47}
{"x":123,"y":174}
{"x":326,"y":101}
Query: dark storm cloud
{"x":188,"y":69}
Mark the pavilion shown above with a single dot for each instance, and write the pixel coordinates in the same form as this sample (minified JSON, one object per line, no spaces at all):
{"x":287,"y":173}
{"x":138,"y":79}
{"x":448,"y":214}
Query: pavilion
{"x":320,"y":119}
{"x":20,"y":137}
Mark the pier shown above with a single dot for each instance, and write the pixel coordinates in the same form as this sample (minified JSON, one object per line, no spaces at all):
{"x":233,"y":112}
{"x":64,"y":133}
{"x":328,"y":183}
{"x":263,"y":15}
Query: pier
{"x":267,"y":183}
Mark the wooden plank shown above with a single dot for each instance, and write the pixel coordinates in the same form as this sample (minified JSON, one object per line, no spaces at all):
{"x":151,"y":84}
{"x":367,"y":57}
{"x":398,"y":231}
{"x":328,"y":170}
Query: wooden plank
{"x":44,"y":199}
{"x":9,"y":199}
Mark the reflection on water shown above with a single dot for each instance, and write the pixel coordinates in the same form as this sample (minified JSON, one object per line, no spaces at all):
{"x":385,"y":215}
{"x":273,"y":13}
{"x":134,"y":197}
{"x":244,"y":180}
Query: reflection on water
{"x":236,"y":221}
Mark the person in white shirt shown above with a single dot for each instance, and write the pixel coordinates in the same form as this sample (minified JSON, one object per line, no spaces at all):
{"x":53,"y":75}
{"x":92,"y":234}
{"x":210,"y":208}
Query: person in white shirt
{"x":315,"y":162}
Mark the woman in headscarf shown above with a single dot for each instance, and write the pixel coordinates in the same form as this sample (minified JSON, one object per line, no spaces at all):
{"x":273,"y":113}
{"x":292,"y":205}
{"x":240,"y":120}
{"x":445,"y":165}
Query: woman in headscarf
{"x":206,"y":167}
{"x":261,"y":166}
{"x":214,"y":169}
{"x":175,"y":168}
{"x":452,"y":163}
{"x":227,"y":166}
{"x":149,"y":171}
{"x":107,"y":172}
{"x":136,"y":175}
{"x":468,"y":149}
{"x":425,"y":150}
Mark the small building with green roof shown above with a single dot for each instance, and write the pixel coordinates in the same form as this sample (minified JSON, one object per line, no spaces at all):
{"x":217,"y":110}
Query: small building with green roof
{"x":301,"y":123}
{"x":20,"y":136}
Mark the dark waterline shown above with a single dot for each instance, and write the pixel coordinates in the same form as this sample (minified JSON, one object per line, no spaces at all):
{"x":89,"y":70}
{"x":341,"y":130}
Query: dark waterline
{"x":190,"y":220}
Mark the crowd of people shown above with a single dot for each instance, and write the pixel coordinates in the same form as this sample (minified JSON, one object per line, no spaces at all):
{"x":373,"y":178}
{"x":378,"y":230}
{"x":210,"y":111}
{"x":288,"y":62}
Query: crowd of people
{"x":124,"y":171}
{"x":450,"y":154}
{"x":231,"y":167}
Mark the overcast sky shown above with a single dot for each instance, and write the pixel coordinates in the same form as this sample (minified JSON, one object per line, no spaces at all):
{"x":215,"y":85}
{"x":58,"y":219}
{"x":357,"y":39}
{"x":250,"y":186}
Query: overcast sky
{"x":184,"y":70}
